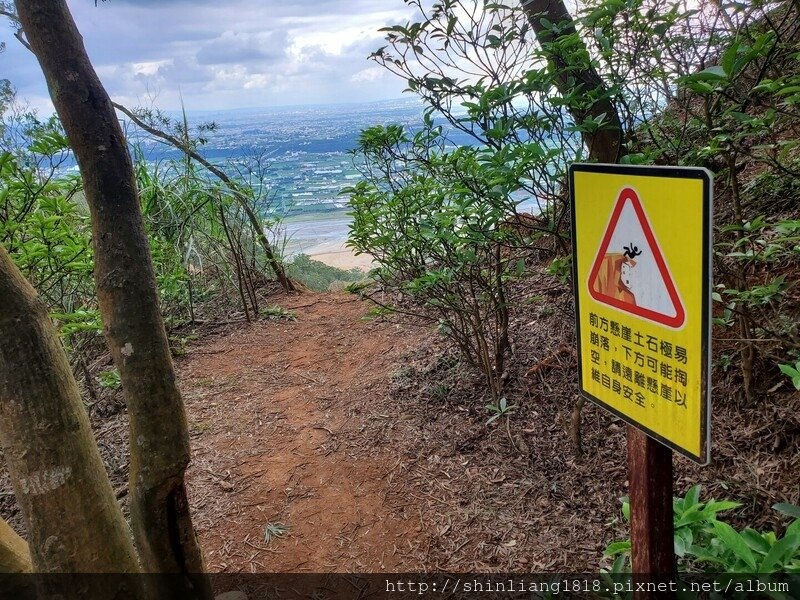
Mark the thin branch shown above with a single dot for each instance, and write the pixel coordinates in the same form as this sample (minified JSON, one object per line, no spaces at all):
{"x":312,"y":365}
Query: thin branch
{"x":242,"y":198}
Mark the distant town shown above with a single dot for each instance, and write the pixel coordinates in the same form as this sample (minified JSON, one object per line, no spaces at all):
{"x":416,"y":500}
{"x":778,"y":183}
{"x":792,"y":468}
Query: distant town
{"x":305,"y":149}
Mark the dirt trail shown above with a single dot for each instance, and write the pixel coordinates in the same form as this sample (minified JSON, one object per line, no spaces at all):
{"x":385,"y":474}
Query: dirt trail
{"x":275,"y":412}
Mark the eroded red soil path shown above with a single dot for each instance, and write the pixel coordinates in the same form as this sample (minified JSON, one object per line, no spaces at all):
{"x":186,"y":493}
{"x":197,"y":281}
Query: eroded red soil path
{"x":275,"y":411}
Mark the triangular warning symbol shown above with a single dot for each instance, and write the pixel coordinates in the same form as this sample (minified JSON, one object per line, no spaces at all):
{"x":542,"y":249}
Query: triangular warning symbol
{"x":630,"y":272}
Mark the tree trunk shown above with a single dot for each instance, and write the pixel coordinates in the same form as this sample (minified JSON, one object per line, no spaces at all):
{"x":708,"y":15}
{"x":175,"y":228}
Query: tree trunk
{"x":14,"y":554}
{"x":574,"y":73}
{"x":128,"y":298}
{"x":73,"y":521}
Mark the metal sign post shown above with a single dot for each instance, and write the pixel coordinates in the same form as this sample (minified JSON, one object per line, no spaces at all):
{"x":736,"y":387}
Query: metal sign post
{"x":642,"y":275}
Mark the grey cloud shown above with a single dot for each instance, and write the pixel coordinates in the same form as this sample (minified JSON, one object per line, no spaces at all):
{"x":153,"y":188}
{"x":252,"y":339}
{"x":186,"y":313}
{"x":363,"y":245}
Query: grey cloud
{"x":235,"y":47}
{"x":225,"y":54}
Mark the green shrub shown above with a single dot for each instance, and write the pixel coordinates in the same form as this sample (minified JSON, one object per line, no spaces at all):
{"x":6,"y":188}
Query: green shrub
{"x":110,"y":379}
{"x":704,"y":543}
{"x":319,"y":276}
{"x":432,"y":219}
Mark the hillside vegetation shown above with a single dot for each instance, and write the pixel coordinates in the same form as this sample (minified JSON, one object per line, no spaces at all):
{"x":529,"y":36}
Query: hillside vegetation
{"x":457,"y":377}
{"x":634,"y":82}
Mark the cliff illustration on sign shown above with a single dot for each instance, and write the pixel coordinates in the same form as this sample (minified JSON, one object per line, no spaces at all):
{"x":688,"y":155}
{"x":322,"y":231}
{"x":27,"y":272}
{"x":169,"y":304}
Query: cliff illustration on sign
{"x":630,"y":272}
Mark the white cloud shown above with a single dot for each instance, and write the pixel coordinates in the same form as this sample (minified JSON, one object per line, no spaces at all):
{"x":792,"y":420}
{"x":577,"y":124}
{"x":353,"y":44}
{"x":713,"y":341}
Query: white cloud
{"x":150,"y":68}
{"x":241,"y":53}
{"x":369,"y":75}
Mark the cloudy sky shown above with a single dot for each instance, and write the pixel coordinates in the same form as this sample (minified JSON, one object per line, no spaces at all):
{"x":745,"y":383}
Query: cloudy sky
{"x":226,"y":54}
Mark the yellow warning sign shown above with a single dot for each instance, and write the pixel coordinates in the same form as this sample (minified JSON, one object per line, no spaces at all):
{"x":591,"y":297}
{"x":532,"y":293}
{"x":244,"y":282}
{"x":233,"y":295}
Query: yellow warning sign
{"x":642,"y":274}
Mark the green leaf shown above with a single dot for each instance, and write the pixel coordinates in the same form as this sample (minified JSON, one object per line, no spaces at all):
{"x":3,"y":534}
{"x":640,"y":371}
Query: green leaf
{"x":680,"y":546}
{"x":729,"y":57}
{"x":619,"y":564}
{"x":794,"y":528}
{"x":734,"y":542}
{"x":701,"y":87}
{"x":719,"y":506}
{"x":702,"y":554}
{"x":789,"y":371}
{"x":621,"y":547}
{"x":780,"y":552}
{"x":792,"y":89}
{"x":711,"y":73}
{"x":692,"y":496}
{"x":755,"y":541}
{"x":788,"y":509}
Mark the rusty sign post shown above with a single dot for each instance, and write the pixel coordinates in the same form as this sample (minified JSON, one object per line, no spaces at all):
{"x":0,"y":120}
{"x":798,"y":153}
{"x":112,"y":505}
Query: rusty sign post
{"x":641,"y":241}
{"x":650,"y":489}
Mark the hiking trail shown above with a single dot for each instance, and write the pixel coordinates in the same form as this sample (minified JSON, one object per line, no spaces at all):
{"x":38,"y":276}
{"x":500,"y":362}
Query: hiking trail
{"x":275,"y":412}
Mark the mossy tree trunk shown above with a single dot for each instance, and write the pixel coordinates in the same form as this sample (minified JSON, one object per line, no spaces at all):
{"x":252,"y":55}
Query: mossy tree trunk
{"x":128,"y":298}
{"x":73,"y":520}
